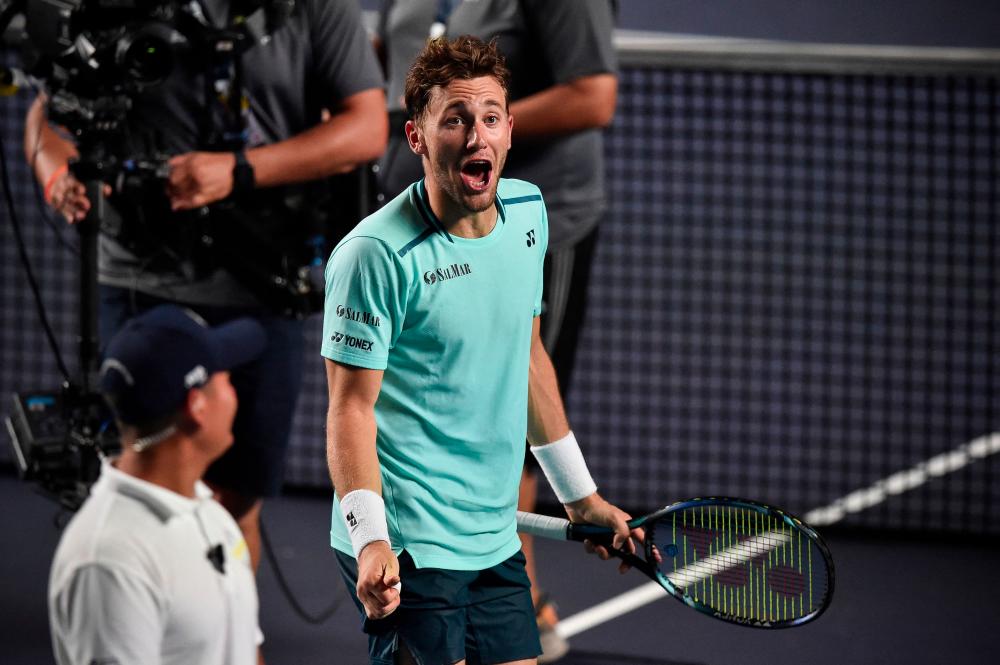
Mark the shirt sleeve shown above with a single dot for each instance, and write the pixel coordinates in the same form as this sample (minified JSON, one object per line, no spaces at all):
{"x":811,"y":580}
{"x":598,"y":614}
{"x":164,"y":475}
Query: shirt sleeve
{"x":343,"y":55}
{"x":364,"y":307}
{"x":107,"y":615}
{"x":543,"y":241}
{"x":574,"y":36}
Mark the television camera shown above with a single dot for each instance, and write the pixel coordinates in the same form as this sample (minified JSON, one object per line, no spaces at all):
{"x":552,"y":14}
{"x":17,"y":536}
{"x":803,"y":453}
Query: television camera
{"x":92,"y":58}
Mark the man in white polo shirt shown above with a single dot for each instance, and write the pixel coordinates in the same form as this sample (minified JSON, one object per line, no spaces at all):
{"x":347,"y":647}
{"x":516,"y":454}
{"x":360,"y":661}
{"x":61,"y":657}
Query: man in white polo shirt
{"x":152,"y":570}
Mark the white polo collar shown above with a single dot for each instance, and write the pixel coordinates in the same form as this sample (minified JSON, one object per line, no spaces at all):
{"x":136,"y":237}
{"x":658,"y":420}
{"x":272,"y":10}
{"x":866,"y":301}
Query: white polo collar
{"x":164,"y":503}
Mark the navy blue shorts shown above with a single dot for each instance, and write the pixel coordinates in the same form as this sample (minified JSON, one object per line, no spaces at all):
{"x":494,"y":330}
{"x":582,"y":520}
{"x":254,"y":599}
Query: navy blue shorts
{"x":267,"y":390}
{"x":484,"y":616}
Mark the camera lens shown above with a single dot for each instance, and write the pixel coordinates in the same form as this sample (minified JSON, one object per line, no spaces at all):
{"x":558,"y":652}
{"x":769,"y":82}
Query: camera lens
{"x":145,"y":56}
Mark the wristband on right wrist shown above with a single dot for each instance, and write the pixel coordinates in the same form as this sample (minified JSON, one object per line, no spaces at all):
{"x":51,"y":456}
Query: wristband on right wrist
{"x":364,"y":514}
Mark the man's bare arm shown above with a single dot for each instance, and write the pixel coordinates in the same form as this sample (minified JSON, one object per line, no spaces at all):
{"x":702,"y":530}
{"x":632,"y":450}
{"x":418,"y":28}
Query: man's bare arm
{"x":354,"y":466}
{"x":350,"y":427}
{"x":355,"y":132}
{"x":584,"y":103}
{"x":546,"y":414}
{"x":547,"y":423}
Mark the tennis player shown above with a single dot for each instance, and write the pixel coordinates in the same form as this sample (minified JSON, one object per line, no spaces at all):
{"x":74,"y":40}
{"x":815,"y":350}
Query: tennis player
{"x":436,"y":371}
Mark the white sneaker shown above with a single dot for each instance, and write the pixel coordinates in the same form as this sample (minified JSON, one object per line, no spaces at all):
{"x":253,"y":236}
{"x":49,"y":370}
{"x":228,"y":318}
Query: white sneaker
{"x":554,"y":645}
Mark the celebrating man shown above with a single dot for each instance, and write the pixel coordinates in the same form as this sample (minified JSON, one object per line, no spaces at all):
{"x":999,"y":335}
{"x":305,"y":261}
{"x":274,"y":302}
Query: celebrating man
{"x":436,"y":372}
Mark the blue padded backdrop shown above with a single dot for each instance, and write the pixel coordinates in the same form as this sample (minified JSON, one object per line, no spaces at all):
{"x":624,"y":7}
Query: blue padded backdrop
{"x":794,"y":295}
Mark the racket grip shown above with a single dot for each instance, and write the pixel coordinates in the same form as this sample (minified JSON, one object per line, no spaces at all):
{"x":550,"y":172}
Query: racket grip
{"x":542,"y":525}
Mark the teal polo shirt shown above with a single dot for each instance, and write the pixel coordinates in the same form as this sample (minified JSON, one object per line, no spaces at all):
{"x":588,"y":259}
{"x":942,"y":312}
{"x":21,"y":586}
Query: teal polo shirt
{"x":449,"y":320}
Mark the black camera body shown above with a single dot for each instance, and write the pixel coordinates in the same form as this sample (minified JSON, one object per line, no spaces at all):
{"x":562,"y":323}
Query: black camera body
{"x":105,"y":43}
{"x":59,"y":439}
{"x":94,"y":55}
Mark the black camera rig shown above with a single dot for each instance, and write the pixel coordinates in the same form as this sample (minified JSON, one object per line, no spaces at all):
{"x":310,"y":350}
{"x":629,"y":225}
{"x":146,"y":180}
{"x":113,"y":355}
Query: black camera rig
{"x":93,"y":57}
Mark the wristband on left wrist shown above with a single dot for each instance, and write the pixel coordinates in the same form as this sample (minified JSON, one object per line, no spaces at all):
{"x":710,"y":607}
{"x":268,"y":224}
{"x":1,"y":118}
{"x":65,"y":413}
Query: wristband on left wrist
{"x":564,"y":467}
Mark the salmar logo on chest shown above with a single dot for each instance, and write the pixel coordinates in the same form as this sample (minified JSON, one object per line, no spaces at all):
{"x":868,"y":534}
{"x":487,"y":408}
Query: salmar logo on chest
{"x":444,"y":274}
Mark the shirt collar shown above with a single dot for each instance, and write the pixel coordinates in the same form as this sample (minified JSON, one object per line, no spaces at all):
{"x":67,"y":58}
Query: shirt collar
{"x":424,"y":206}
{"x":164,"y":503}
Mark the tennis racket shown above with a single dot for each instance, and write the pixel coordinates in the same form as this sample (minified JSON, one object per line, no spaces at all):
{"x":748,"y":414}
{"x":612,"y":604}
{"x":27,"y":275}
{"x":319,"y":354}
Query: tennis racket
{"x":732,"y":559}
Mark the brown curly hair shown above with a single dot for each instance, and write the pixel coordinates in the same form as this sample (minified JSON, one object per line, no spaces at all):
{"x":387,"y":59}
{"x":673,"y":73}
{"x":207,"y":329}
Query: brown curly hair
{"x":443,"y":61}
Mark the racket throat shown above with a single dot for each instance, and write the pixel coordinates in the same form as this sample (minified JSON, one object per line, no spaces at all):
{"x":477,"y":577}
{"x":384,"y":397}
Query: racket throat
{"x":640,"y":564}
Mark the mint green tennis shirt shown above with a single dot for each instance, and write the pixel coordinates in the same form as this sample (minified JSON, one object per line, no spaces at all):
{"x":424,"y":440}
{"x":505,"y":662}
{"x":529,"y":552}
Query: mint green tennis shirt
{"x":449,"y":320}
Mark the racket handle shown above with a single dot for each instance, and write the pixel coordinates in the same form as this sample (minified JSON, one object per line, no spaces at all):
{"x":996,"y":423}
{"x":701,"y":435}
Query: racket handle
{"x":542,"y":525}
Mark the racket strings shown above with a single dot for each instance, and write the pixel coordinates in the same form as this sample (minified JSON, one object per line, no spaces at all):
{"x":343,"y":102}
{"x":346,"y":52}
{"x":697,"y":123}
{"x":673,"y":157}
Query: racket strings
{"x":740,"y":563}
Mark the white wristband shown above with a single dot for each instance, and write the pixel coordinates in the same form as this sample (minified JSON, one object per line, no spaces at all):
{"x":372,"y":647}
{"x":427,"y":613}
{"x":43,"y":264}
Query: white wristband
{"x":563,"y":465}
{"x":364,"y":514}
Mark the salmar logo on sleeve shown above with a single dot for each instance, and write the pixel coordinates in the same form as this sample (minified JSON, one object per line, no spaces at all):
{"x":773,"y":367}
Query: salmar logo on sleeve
{"x":352,"y":342}
{"x":451,"y":272}
{"x":352,"y":314}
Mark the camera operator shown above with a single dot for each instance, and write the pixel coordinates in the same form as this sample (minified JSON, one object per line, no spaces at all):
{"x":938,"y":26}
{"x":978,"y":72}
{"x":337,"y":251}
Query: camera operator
{"x":310,"y":105}
{"x":152,"y":569}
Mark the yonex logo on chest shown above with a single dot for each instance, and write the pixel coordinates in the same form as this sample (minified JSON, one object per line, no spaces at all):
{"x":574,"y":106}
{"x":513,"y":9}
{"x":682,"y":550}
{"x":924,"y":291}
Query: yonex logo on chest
{"x":451,"y":272}
{"x":531,"y":237}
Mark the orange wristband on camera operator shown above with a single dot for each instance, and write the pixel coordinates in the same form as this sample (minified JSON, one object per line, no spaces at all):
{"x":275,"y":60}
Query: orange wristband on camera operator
{"x":51,"y":182}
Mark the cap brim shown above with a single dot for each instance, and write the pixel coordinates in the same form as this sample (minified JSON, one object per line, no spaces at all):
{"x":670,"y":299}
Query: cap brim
{"x":237,"y":342}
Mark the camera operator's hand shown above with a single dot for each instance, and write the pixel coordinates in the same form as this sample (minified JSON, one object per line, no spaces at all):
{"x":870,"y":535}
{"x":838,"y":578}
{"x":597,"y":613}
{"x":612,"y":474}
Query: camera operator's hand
{"x":68,"y":196}
{"x":199,"y":178}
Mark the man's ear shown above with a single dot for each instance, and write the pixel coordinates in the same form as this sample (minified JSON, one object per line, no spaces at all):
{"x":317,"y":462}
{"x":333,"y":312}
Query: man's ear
{"x":415,"y":137}
{"x":196,"y":406}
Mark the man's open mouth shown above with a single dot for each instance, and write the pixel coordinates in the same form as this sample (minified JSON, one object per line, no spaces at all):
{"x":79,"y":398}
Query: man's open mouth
{"x":476,"y":174}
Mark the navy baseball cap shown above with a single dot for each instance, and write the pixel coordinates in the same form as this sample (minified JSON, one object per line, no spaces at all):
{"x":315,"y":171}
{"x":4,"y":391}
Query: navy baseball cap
{"x":157,"y":357}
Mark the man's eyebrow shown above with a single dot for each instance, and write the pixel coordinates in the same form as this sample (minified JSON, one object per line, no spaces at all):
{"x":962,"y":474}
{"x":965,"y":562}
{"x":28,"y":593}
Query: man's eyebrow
{"x":461,"y":103}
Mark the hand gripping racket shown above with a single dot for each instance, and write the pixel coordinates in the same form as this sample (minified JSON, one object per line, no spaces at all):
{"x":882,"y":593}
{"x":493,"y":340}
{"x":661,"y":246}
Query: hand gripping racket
{"x":735,"y":560}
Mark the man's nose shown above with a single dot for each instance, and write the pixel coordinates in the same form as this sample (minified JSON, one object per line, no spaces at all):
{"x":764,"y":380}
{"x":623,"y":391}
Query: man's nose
{"x":475,"y":140}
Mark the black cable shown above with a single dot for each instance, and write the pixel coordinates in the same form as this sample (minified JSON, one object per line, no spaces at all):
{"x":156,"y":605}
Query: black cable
{"x":25,"y":261}
{"x":287,"y":590}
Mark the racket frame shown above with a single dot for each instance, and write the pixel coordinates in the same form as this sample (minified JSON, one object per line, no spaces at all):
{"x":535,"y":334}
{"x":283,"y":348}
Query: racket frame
{"x":602,"y":535}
